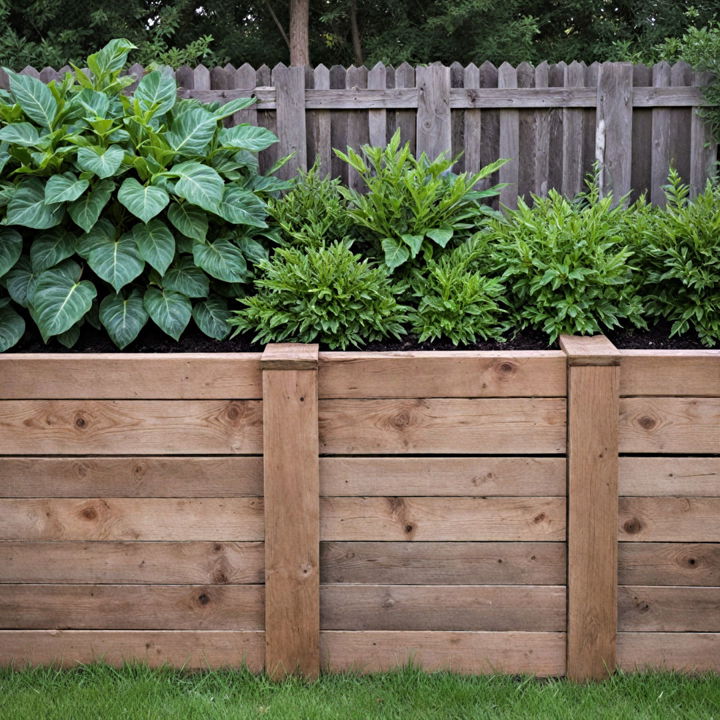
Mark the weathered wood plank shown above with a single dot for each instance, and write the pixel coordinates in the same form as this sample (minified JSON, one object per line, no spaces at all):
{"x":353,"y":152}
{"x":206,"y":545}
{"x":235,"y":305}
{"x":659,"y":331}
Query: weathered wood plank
{"x":541,"y":161}
{"x":641,"y":136}
{"x":449,"y":519}
{"x":669,"y":564}
{"x":669,"y":425}
{"x":114,"y":427}
{"x":490,"y":150}
{"x":572,"y":171}
{"x":703,"y":148}
{"x":131,"y":607}
{"x":535,"y":653}
{"x":670,"y":476}
{"x":231,"y":519}
{"x":681,"y":75}
{"x":244,"y":77}
{"x":405,"y":120}
{"x":681,"y":652}
{"x":434,"y":127}
{"x":356,"y":78}
{"x":482,"y":426}
{"x":472,"y":119}
{"x":292,"y":139}
{"x":339,"y":125}
{"x":131,"y":376}
{"x":130,"y":477}
{"x":527,"y":136}
{"x":593,"y":350}
{"x":695,"y":373}
{"x":463,"y":607}
{"x":668,"y":609}
{"x":660,"y":142}
{"x":182,"y":563}
{"x":509,"y":140}
{"x":377,"y":119}
{"x":457,"y":80}
{"x":556,"y":78}
{"x":187,"y":649}
{"x":669,"y":519}
{"x":319,"y":125}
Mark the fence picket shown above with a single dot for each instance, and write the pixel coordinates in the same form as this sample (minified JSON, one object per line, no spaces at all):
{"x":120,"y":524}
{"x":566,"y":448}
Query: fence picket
{"x":434,"y":125}
{"x":377,"y":119}
{"x":290,"y":87}
{"x":660,"y":155}
{"x":572,"y":172}
{"x":509,"y":140}
{"x":356,"y":78}
{"x":472,"y":130}
{"x":703,"y":149}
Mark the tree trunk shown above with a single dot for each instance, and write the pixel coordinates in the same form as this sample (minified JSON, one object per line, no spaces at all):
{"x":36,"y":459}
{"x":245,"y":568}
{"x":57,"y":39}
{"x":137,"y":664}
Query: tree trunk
{"x":355,"y":33}
{"x":299,"y":32}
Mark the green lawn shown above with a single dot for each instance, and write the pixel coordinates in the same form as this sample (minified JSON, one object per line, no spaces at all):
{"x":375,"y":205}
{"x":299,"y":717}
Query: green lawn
{"x":137,"y":693}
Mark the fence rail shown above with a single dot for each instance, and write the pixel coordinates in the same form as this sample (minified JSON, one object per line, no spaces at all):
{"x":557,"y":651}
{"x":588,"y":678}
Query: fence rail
{"x":552,"y":121}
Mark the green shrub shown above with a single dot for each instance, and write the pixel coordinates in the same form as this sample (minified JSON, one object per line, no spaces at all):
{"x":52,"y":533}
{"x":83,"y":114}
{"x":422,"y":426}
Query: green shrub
{"x":313,"y":213}
{"x":568,"y":263}
{"x":414,"y":204}
{"x":680,"y":253}
{"x":326,"y":294}
{"x":457,"y":302}
{"x":118,"y":209}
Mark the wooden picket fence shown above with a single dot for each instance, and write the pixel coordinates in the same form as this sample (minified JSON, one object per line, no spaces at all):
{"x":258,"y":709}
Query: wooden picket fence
{"x":551,"y":121}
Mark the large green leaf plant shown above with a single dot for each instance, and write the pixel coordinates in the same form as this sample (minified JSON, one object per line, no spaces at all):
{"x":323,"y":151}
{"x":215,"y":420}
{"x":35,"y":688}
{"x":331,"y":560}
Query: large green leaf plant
{"x":118,"y":209}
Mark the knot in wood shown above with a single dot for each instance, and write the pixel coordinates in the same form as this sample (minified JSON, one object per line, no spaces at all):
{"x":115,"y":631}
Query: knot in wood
{"x":633,"y":526}
{"x":647,"y":423}
{"x":203,"y":598}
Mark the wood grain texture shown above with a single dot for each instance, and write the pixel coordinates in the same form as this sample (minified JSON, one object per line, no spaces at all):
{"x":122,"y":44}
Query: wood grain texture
{"x":213,"y":519}
{"x":434,"y":127}
{"x":292,"y":140}
{"x":703,"y":147}
{"x":482,"y":426}
{"x":356,"y":78}
{"x":681,"y":652}
{"x":217,"y":563}
{"x":670,"y":476}
{"x":443,"y":563}
{"x":669,"y":519}
{"x":122,"y":427}
{"x":509,"y":140}
{"x":462,"y":607}
{"x":442,"y":476}
{"x":188,"y":649}
{"x":694,"y":373}
{"x":669,"y":425}
{"x":660,"y":563}
{"x":130,"y":376}
{"x":131,"y":607}
{"x":661,"y":138}
{"x":595,"y":350}
{"x":463,"y":652}
{"x":572,"y":173}
{"x":442,"y":374}
{"x":450,"y":519}
{"x":668,"y":609}
{"x":130,"y":476}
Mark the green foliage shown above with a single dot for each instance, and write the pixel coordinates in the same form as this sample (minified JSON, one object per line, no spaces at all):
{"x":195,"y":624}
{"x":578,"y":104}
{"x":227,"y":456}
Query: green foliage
{"x":457,"y":302}
{"x":680,"y":253}
{"x":413,"y":205}
{"x":327,"y":294}
{"x":568,"y":264}
{"x":110,"y":199}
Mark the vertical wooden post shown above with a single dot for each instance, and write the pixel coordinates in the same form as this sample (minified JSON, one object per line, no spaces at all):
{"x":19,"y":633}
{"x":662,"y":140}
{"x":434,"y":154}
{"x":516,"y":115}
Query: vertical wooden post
{"x":593,"y":414}
{"x":292,"y":510}
{"x":290,"y":97}
{"x":434,"y":126}
{"x":509,"y":141}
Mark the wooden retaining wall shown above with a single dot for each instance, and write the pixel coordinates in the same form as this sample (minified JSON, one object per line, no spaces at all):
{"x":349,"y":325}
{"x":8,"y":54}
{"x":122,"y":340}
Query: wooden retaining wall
{"x":548,"y":512}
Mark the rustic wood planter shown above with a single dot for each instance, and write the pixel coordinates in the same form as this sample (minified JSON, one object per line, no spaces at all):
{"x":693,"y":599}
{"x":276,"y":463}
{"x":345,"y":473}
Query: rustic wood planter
{"x":548,"y":512}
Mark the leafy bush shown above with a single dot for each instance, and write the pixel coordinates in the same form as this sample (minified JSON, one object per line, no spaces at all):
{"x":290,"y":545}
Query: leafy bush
{"x":313,"y":213}
{"x":414,"y":204}
{"x":680,"y":253}
{"x":457,"y":302}
{"x":118,"y":209}
{"x":326,"y":294}
{"x":568,"y":263}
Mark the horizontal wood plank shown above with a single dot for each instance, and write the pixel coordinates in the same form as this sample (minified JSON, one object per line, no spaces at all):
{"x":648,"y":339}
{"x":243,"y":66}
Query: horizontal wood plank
{"x":669,"y":425}
{"x":450,"y":519}
{"x":668,"y":609}
{"x":536,"y":653}
{"x":132,"y":562}
{"x":478,"y":426}
{"x":594,"y":350}
{"x":188,"y":649}
{"x":442,"y":476}
{"x":682,"y":652}
{"x":695,"y":373}
{"x":445,"y":607}
{"x":442,"y":374}
{"x":130,"y":376}
{"x":214,"y":519}
{"x":443,"y":563}
{"x":130,"y":476}
{"x":669,"y":563}
{"x":670,"y":476}
{"x":669,"y":519}
{"x":122,"y":427}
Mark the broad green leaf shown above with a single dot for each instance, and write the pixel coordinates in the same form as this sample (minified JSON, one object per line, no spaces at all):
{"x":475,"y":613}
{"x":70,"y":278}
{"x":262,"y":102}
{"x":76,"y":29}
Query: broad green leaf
{"x":59,"y":301}
{"x":27,"y":207}
{"x":112,"y":57}
{"x":50,"y":249}
{"x":191,"y":131}
{"x":189,"y":219}
{"x":89,"y":103}
{"x":102,"y":232}
{"x":155,"y":244}
{"x":64,"y":188}
{"x":157,"y":88}
{"x":21,"y":133}
{"x":104,"y":162}
{"x":34,"y":97}
{"x":232,"y":107}
{"x":123,"y":317}
{"x":414,"y":242}
{"x":20,"y":282}
{"x":4,"y":156}
{"x":441,"y":236}
{"x":186,"y":278}
{"x":198,"y":184}
{"x":247,"y":137}
{"x":117,"y":262}
{"x":252,"y":249}
{"x":242,"y":207}
{"x":221,"y":259}
{"x":86,"y":211}
{"x":169,"y":310}
{"x":71,"y":336}
{"x":396,"y":253}
{"x":211,"y":317}
{"x":12,"y":328}
{"x":10,"y":248}
{"x":143,"y":201}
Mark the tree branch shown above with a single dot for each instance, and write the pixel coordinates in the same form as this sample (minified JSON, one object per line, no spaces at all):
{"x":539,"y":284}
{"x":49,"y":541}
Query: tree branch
{"x":278,"y":23}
